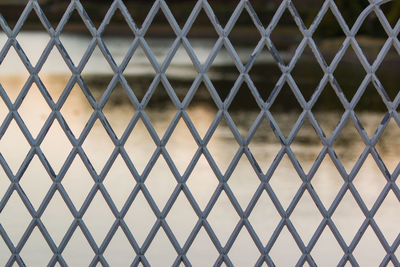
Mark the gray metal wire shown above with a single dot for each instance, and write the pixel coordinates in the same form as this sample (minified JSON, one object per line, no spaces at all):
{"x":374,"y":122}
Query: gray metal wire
{"x":181,"y":106}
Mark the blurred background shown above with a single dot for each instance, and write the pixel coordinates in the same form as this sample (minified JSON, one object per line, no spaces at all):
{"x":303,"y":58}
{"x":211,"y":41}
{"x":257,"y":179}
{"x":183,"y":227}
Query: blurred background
{"x":244,"y":36}
{"x":245,"y":112}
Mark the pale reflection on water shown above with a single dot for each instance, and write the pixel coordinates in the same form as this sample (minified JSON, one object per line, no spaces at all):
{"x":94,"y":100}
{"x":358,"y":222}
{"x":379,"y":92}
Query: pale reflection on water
{"x":202,"y":182}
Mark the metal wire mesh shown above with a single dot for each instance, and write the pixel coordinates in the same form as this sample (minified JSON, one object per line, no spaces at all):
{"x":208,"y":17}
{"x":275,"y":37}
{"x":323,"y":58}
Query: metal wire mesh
{"x":181,"y":106}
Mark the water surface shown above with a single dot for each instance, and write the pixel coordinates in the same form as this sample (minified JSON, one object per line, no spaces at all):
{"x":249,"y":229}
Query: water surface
{"x":181,"y":146}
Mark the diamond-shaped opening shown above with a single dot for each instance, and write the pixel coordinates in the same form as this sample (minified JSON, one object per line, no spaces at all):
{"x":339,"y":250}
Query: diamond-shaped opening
{"x":161,"y":252}
{"x":202,"y":110}
{"x":202,"y":252}
{"x":160,"y":110}
{"x":306,"y":217}
{"x":96,"y":11}
{"x":75,"y":45}
{"x":369,"y":251}
{"x":26,"y":37}
{"x":76,"y":110}
{"x":370,"y":110}
{"x":264,"y":145}
{"x":308,"y":10}
{"x":181,"y":10}
{"x":348,"y":264}
{"x":223,"y":72}
{"x":3,"y":111}
{"x":119,"y":182}
{"x":348,"y":217}
{"x":55,"y":74}
{"x":351,"y":12}
{"x":369,"y":181}
{"x":223,"y":218}
{"x":98,"y":218}
{"x":119,"y":251}
{"x":36,"y":252}
{"x":244,"y":252}
{"x":181,"y":218}
{"x":349,"y":73}
{"x":244,"y":181}
{"x":55,"y":12}
{"x":387,"y":72}
{"x":140,"y":146}
{"x":56,"y":146}
{"x":181,"y":73}
{"x":202,"y":36}
{"x":4,"y":183}
{"x":349,"y":145}
{"x":327,"y":251}
{"x":57,"y":218}
{"x":119,"y":110}
{"x":98,"y":146}
{"x":77,"y":182}
{"x":244,"y":36}
{"x":118,"y":36}
{"x":222,"y":10}
{"x":307,"y":73}
{"x":265,"y":11}
{"x":265,"y":73}
{"x":285,"y":181}
{"x":264,"y":218}
{"x":160,"y":182}
{"x":286,"y":109}
{"x":181,"y":146}
{"x":140,"y":218}
{"x":34,"y":110}
{"x":397,"y":252}
{"x":329,"y":36}
{"x":15,"y":218}
{"x":5,"y":253}
{"x":244,"y":109}
{"x":285,"y":251}
{"x":328,"y":110}
{"x":306,"y":146}
{"x":139,"y":10}
{"x":139,"y":73}
{"x":12,"y":13}
{"x":78,"y":251}
{"x":202,"y":182}
{"x":387,"y":217}
{"x":35,"y":182}
{"x":3,"y":39}
{"x":223,"y":146}
{"x":391,"y":10}
{"x":371,"y":37}
{"x":388,"y":145}
{"x":13,"y":74}
{"x":160,"y":27}
{"x":13,"y":140}
{"x":97,"y":74}
{"x":286,"y":36}
{"x":327,"y":181}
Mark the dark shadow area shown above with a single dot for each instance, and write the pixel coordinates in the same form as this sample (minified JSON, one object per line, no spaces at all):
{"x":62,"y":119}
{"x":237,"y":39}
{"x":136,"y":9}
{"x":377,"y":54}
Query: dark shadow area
{"x":286,"y":36}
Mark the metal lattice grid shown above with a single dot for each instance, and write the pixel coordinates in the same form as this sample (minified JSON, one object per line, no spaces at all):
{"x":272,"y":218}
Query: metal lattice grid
{"x":181,"y":106}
